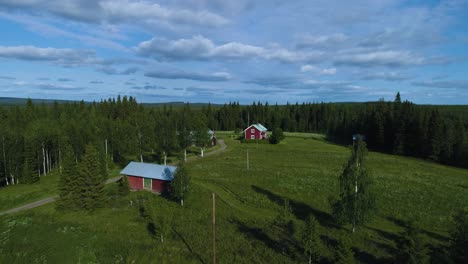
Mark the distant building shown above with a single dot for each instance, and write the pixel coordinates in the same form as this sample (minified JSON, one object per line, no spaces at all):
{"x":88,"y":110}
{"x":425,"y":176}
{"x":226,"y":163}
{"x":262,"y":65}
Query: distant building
{"x":356,"y":136}
{"x":212,"y":137}
{"x":255,"y":131}
{"x":153,"y":177}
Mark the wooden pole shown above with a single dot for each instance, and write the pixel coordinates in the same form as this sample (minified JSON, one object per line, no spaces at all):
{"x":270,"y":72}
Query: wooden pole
{"x":214,"y":228}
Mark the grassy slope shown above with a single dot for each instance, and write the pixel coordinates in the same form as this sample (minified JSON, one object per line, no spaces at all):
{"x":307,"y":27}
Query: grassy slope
{"x":17,"y":195}
{"x":304,"y":171}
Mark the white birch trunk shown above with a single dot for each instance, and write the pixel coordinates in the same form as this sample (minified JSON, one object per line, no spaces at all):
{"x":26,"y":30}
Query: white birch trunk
{"x":60,"y":160}
{"x":182,"y":202}
{"x":47,"y":161}
{"x":141,"y":157}
{"x":202,"y":150}
{"x":43,"y":161}
{"x":185,"y":154}
{"x":165,"y":158}
{"x":4,"y":161}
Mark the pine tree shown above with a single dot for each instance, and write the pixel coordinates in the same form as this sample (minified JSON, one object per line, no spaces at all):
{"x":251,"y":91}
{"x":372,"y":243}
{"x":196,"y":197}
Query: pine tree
{"x":180,"y":186}
{"x":124,"y":186}
{"x":343,"y":253}
{"x":357,"y":200}
{"x":311,"y":240}
{"x":28,"y":174}
{"x":68,"y":183}
{"x":411,"y":248}
{"x":91,"y":181}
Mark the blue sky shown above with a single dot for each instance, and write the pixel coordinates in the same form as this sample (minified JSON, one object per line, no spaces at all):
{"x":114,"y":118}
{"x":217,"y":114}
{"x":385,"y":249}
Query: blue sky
{"x":219,"y":51}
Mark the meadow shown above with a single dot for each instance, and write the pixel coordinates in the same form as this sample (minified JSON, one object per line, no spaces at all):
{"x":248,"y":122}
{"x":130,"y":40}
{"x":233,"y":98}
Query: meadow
{"x":302,"y":169}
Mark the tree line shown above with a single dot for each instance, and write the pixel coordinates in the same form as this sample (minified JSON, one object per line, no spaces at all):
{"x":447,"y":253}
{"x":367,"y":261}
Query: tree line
{"x":398,"y":127}
{"x":33,"y":137}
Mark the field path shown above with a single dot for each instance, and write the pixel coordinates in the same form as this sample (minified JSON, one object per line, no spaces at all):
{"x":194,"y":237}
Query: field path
{"x":214,"y":152}
{"x":45,"y":201}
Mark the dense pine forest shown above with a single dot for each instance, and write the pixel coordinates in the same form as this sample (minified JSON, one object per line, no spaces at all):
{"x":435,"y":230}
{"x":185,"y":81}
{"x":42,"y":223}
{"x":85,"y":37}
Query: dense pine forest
{"x":438,"y":133}
{"x":33,"y":136}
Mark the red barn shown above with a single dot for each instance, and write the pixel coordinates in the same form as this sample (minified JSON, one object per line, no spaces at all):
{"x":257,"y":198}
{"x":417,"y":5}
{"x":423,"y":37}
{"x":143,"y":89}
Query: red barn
{"x":255,"y":131}
{"x":153,"y":177}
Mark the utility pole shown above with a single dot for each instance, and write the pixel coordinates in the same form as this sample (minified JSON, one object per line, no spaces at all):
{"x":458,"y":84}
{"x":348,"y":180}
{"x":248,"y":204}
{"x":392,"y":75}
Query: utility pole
{"x":214,"y":228}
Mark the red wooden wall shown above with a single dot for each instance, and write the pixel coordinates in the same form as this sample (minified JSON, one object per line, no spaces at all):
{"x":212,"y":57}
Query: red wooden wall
{"x":136,"y":183}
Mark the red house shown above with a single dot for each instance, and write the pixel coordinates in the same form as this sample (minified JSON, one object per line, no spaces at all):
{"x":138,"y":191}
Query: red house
{"x":153,"y":177}
{"x":255,"y":131}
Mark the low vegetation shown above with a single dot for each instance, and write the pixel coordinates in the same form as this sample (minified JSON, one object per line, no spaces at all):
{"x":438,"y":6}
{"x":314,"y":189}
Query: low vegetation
{"x":263,"y":213}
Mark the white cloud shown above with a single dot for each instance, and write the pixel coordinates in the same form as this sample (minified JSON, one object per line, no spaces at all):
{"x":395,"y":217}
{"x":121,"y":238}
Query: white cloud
{"x":387,"y":76}
{"x":322,"y":40}
{"x":211,"y":77}
{"x":201,"y":48}
{"x":62,"y":56}
{"x":380,"y":58}
{"x":316,"y":70}
{"x":329,"y":71}
{"x":116,"y":11}
{"x":458,"y":84}
{"x":308,"y":68}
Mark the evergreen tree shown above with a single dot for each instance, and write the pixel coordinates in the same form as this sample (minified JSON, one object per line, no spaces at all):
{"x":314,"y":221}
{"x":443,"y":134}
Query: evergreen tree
{"x":180,"y":185}
{"x":357,"y":200}
{"x":276,"y":136}
{"x":459,"y":237}
{"x":68,"y":183}
{"x":92,"y":185}
{"x":343,"y":253}
{"x":29,"y":175}
{"x":311,"y":240}
{"x":411,"y":248}
{"x":124,"y":186}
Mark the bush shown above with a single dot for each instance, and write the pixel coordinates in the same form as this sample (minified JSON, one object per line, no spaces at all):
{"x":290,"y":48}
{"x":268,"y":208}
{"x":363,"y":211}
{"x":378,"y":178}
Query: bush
{"x":276,"y":136}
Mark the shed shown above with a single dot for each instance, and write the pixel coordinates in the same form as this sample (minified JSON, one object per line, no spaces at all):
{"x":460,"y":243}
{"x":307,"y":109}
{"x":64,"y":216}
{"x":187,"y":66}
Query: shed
{"x":154,"y":177}
{"x":255,"y":131}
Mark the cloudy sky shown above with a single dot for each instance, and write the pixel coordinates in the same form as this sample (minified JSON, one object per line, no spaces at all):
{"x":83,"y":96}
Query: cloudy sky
{"x":219,"y":51}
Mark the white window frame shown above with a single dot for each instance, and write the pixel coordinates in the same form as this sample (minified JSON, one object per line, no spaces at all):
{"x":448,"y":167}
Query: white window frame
{"x":252,"y":136}
{"x":252,"y":130}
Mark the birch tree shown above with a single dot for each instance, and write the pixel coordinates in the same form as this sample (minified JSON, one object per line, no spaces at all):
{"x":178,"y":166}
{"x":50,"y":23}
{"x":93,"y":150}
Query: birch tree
{"x":357,"y":200}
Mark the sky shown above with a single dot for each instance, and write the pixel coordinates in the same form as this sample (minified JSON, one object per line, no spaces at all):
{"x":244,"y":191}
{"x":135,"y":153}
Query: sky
{"x":220,"y":51}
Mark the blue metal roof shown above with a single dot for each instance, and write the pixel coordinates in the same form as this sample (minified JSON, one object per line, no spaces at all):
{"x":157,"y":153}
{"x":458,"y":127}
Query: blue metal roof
{"x":149,"y":170}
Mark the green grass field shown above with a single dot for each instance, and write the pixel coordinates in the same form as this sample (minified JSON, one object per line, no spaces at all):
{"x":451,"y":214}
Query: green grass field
{"x":301,"y":169}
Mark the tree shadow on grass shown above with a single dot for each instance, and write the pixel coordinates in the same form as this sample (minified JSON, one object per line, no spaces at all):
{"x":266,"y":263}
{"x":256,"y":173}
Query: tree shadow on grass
{"x":151,"y":228}
{"x":188,"y":246}
{"x":366,"y":257}
{"x":430,"y":234}
{"x":299,"y":209}
{"x":286,"y":245}
{"x":387,"y":235}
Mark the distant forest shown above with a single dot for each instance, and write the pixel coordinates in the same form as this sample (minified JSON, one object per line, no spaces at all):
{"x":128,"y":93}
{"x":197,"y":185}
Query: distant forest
{"x":32,"y":136}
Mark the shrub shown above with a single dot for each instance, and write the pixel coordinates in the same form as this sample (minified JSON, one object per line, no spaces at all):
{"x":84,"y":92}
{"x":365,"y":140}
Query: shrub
{"x":276,"y":136}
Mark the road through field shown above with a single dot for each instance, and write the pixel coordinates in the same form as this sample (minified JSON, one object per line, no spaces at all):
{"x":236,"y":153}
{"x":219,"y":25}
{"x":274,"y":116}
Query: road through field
{"x":112,"y":180}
